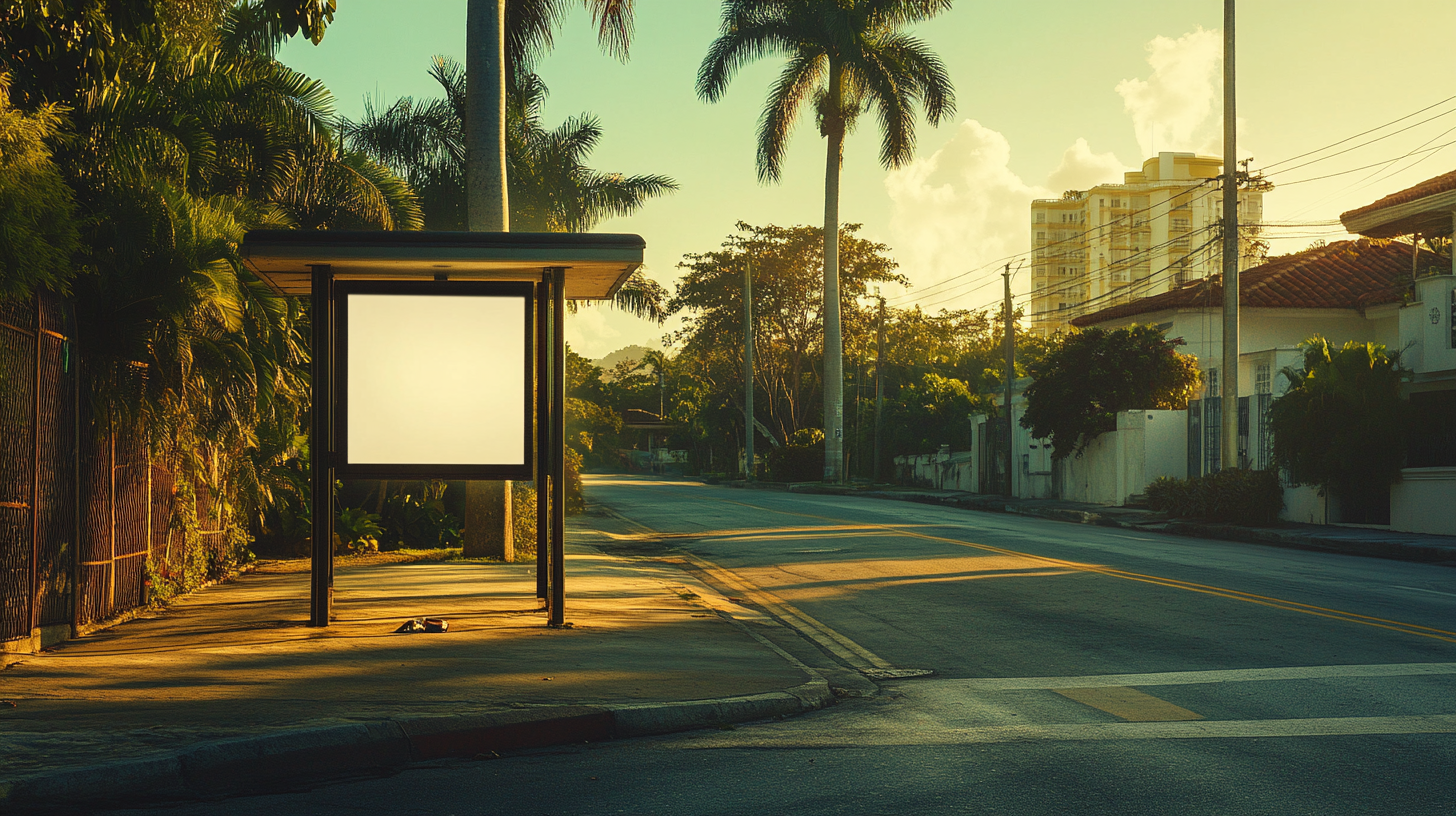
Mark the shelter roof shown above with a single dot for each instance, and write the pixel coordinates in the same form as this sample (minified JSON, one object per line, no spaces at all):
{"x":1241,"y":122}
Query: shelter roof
{"x":1425,"y":208}
{"x":1342,"y":275}
{"x":596,"y":263}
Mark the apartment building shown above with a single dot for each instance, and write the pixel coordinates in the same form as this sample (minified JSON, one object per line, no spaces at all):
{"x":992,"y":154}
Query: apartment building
{"x":1116,"y":243}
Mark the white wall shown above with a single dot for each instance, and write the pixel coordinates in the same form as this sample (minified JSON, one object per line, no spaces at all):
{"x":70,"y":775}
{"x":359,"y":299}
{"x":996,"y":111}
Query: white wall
{"x":1432,"y":337}
{"x":1304,"y":505}
{"x":1424,"y":501}
{"x":1122,"y":463}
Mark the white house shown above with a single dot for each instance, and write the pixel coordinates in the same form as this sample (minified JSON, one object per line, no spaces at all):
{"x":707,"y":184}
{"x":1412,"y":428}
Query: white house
{"x":1351,"y":290}
{"x":1424,"y":498}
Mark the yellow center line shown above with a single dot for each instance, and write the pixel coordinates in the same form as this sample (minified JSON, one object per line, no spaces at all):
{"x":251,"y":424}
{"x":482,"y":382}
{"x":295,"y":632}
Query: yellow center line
{"x":1129,"y":704}
{"x":1173,"y":583}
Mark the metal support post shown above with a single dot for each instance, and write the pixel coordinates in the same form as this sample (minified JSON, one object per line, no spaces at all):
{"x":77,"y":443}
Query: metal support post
{"x":558,"y":447}
{"x":321,"y":317}
{"x":34,"y":607}
{"x":543,"y":436}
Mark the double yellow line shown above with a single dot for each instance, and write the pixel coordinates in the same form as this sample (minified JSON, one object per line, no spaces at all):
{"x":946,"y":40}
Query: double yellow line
{"x":1190,"y":586}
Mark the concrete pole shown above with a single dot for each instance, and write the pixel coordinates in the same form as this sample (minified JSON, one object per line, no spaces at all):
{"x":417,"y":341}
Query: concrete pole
{"x":879,"y":394}
{"x":1010,"y":341}
{"x":748,"y":471}
{"x":1230,"y":392}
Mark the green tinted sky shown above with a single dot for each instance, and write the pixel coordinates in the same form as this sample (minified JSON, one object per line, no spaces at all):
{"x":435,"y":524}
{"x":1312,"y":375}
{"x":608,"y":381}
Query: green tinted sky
{"x":1032,"y":79}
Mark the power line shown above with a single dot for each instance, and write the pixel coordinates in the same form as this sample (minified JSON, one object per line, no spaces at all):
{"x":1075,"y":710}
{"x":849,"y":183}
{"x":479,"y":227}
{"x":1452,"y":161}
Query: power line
{"x":1368,"y":166}
{"x":1366,"y":133}
{"x":1108,"y":225}
{"x":1080,"y":282}
{"x":1146,"y":282}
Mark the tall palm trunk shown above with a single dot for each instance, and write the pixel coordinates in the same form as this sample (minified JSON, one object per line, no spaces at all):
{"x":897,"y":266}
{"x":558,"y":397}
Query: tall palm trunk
{"x":833,"y":344}
{"x":487,"y":209}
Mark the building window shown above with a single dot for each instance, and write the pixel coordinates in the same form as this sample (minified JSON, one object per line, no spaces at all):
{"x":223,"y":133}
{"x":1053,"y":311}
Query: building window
{"x":1040,"y":217}
{"x":1261,"y":380}
{"x":1210,"y":377}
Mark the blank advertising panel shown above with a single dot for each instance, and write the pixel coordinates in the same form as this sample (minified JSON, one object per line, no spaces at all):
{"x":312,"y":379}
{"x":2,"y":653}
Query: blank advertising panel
{"x":434,"y":380}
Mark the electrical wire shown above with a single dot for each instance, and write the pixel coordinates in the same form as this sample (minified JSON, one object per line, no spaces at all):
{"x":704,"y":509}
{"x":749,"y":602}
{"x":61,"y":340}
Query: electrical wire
{"x":1079,"y":283}
{"x":1266,"y":167}
{"x":900,"y":299}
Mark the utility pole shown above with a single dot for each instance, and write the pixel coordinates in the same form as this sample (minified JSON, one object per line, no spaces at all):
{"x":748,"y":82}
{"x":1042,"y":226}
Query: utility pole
{"x":879,"y":393}
{"x":1229,"y":407}
{"x":661,"y":413}
{"x":748,"y":368}
{"x":1010,"y":340}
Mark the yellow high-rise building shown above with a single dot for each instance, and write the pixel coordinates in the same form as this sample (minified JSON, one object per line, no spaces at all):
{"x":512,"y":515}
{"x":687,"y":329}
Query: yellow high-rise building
{"x":1157,"y":231}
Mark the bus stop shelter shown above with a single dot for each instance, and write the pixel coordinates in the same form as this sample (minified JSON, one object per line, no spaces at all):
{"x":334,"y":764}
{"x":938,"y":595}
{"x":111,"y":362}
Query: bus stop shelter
{"x":486,"y":402}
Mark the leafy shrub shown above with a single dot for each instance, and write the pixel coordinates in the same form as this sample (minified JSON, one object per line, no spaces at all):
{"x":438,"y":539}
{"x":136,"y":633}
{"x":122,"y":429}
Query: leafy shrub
{"x":1171,"y":496}
{"x":1088,"y":376}
{"x":802,"y":460}
{"x":356,"y":531}
{"x":419,"y":520}
{"x":1342,"y":425}
{"x":1239,"y":496}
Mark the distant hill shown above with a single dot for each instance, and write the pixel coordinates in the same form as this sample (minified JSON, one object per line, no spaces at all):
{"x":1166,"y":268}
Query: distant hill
{"x":607,"y":363}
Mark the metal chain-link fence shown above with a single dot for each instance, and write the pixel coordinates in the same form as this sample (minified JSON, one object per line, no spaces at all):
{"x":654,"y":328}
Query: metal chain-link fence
{"x":83,"y":510}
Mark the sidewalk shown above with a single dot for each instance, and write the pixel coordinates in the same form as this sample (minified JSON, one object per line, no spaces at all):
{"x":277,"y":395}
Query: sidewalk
{"x":1365,"y":541}
{"x":229,"y":691}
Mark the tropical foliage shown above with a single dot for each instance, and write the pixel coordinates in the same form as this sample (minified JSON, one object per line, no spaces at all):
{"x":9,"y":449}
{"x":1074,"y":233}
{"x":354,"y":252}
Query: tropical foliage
{"x":551,"y":189}
{"x":1240,"y":496}
{"x":145,"y":139}
{"x":1085,"y":378}
{"x":1342,"y":424}
{"x":38,"y":232}
{"x":844,"y":58}
{"x":940,"y":369}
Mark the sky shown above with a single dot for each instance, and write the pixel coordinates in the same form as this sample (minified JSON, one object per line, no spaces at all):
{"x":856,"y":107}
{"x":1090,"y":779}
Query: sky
{"x":1051,"y":96}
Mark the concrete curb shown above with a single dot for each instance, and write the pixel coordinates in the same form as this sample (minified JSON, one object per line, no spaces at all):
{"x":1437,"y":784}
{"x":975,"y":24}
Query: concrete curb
{"x":1393,"y":548}
{"x":308,"y":755}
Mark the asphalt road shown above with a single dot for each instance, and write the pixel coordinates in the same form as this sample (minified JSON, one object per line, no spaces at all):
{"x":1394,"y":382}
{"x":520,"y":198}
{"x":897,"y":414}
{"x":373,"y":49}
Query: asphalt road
{"x":1076,"y":669}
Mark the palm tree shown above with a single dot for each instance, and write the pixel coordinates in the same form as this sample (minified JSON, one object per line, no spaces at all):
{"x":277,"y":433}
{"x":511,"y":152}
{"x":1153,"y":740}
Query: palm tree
{"x":847,"y":57}
{"x":551,"y":188}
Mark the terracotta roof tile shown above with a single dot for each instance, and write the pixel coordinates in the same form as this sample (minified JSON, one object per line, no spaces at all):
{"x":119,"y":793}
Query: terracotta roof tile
{"x":1342,"y":275}
{"x":1431,"y":186}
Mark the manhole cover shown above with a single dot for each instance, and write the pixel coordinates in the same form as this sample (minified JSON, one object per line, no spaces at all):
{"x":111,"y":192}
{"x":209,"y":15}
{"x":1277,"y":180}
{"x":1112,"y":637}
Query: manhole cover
{"x":895,"y":674}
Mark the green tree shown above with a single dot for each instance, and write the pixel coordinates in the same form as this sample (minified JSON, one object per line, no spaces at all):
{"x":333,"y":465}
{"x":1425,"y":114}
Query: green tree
{"x":37,"y":227}
{"x":848,"y":57}
{"x":1087,"y":377}
{"x":1342,"y":424}
{"x":788,"y":309}
{"x":933,"y":412}
{"x":181,"y":133}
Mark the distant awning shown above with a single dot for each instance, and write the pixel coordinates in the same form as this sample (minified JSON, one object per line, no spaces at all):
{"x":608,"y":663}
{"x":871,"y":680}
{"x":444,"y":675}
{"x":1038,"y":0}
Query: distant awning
{"x":596,"y":264}
{"x":1424,"y":209}
{"x":638,"y":419}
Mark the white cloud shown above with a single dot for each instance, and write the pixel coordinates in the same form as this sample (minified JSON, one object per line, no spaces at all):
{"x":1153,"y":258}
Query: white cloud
{"x":1179,"y":107}
{"x":958,"y":209}
{"x":1082,"y":169}
{"x":591,"y":334}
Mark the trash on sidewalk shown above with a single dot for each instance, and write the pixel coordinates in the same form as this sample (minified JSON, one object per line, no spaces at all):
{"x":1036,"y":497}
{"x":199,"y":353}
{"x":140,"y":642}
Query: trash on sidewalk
{"x":424,"y":625}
